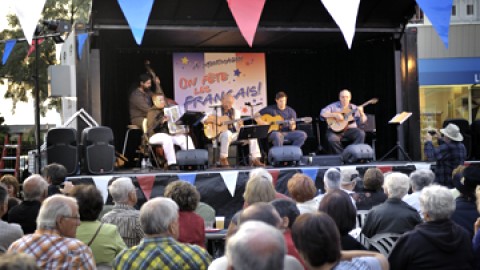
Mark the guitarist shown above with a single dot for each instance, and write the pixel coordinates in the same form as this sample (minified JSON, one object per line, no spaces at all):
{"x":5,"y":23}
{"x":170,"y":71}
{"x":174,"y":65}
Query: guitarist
{"x":337,"y":111}
{"x":231,"y":134}
{"x":287,"y":131}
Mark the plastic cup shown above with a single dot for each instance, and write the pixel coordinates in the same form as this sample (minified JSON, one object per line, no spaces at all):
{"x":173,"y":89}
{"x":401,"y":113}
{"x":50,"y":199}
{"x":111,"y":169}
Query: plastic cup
{"x":220,"y":223}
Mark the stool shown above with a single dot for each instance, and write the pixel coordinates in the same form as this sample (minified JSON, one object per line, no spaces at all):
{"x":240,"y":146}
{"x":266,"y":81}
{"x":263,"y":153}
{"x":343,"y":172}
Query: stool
{"x":132,"y":146}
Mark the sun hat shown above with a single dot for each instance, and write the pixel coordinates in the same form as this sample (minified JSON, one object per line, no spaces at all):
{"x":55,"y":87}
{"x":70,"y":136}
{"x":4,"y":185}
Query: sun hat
{"x":453,"y":132}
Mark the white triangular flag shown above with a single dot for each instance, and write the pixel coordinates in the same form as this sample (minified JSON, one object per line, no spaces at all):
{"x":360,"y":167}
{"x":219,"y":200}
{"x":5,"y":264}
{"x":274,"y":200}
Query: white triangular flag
{"x":28,"y":13}
{"x":344,"y":13}
{"x":101,"y":182}
{"x":230,"y":180}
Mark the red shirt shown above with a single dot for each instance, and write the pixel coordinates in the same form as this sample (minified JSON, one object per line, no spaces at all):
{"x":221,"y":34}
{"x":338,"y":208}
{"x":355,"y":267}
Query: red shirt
{"x":192,"y":228}
{"x":291,"y":249}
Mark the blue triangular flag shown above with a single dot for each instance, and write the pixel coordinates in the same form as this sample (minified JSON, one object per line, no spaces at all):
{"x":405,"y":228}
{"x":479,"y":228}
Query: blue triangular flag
{"x":438,"y":12}
{"x":9,"y":44}
{"x":137,"y":13}
{"x":310,"y":172}
{"x":81,"y":41}
{"x":188,"y":177}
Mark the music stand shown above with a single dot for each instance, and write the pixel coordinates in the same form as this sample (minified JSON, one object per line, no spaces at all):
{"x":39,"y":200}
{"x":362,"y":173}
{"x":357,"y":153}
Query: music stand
{"x":253,"y":132}
{"x":397,"y":120}
{"x":190,"y":118}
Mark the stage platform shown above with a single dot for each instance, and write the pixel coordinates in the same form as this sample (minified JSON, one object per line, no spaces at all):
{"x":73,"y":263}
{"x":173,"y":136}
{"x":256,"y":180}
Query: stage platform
{"x":223,"y":188}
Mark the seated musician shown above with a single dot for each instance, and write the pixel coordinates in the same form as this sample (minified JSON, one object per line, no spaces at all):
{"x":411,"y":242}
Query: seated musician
{"x":158,"y":133}
{"x":287,"y":130}
{"x":339,"y":127}
{"x":229,"y":133}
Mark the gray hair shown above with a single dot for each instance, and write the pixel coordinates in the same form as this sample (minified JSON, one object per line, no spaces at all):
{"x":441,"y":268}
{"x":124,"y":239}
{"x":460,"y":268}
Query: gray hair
{"x":120,"y":188}
{"x":52,"y":208}
{"x":437,"y":202}
{"x":157,"y":214}
{"x":260,"y":172}
{"x":332,"y":178}
{"x":396,"y":185}
{"x":256,"y":245}
{"x":34,"y":188}
{"x":421,"y":178}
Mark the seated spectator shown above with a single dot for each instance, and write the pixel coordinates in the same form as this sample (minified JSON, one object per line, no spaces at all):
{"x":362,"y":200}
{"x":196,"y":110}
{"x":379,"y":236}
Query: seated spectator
{"x":418,"y":180}
{"x":338,"y":206}
{"x":438,"y":243}
{"x":18,"y":261}
{"x":54,"y":245}
{"x":55,"y":175}
{"x":266,"y":174}
{"x":192,"y":226}
{"x":13,"y":188}
{"x":372,"y":193}
{"x":123,"y":215}
{"x":332,"y":181}
{"x":159,"y":249}
{"x":206,"y":212}
{"x":316,"y":237}
{"x":25,"y":214}
{"x":394,"y":215}
{"x":258,"y":189}
{"x":302,"y":189}
{"x":102,"y":238}
{"x":350,"y":177}
{"x":8,"y":232}
{"x":476,"y":237}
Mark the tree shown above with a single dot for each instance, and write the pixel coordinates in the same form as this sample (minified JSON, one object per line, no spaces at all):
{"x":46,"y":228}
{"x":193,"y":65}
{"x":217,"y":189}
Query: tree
{"x":20,"y":69}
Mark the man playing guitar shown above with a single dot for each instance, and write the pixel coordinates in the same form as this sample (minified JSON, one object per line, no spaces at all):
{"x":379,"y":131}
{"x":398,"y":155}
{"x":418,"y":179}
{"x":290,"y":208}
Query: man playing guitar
{"x":343,"y":113}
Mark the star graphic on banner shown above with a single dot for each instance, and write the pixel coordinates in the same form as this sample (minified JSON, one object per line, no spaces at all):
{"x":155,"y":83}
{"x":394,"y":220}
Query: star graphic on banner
{"x":185,"y":60}
{"x":237,"y":72}
{"x":244,"y":110}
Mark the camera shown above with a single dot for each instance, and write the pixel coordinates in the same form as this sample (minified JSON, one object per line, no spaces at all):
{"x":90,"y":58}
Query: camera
{"x":432,"y":132}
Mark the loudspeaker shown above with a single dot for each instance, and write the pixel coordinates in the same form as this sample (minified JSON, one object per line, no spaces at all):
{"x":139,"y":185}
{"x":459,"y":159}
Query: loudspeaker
{"x":286,"y":155}
{"x":192,"y":159}
{"x":323,"y":160}
{"x":62,"y":148}
{"x":357,"y":153}
{"x":98,"y":150}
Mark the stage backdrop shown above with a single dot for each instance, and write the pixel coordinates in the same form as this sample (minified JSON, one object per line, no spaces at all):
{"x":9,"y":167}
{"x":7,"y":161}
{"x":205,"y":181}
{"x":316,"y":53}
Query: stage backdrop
{"x":201,"y":79}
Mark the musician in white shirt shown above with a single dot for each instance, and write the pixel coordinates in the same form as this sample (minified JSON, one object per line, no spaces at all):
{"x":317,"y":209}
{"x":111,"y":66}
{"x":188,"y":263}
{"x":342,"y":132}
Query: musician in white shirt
{"x":337,"y":112}
{"x":231,"y":133}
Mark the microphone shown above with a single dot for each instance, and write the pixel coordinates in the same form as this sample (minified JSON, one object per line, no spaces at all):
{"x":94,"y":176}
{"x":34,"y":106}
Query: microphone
{"x":248,"y":104}
{"x":251,"y":105}
{"x":215,"y":106}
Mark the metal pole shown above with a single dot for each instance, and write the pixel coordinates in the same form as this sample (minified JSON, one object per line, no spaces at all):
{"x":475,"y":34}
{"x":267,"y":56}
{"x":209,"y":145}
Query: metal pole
{"x":37,"y":108}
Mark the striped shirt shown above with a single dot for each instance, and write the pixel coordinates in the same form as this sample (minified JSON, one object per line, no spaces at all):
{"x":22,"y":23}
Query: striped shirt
{"x":162,"y":253}
{"x":128,"y":223}
{"x":53,"y":251}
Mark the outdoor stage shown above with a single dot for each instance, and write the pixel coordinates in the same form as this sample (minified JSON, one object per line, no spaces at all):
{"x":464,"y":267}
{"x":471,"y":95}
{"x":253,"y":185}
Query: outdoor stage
{"x":223,"y":188}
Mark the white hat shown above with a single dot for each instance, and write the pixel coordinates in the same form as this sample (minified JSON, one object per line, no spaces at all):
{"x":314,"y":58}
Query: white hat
{"x":453,"y":132}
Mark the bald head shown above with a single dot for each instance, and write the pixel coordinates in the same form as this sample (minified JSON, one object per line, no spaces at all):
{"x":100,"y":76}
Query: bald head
{"x":261,"y":212}
{"x":227,"y":101}
{"x":35,"y":188}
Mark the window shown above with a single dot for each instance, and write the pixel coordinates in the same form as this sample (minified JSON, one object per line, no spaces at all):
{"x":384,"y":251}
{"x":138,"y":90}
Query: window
{"x":470,"y":9}
{"x":454,"y":10}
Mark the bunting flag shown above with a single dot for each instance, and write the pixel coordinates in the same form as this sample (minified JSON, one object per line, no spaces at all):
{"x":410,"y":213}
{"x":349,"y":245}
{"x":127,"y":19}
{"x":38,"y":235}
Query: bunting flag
{"x":188,"y":177}
{"x":32,"y":47}
{"x":310,"y":172}
{"x":9,"y":44}
{"x":247,"y":15}
{"x":439,"y":13}
{"x":81,"y":41}
{"x":230,"y":180}
{"x":137,"y":13}
{"x":101,"y":182}
{"x":146,"y":184}
{"x":274,"y":174}
{"x":28,"y":13}
{"x":344,"y":13}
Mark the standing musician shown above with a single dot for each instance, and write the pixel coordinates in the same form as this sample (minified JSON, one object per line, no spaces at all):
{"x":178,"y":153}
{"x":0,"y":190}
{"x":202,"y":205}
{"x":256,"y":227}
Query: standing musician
{"x":140,"y":100}
{"x":158,"y":133}
{"x":232,"y":131}
{"x":287,"y":130}
{"x":337,"y":111}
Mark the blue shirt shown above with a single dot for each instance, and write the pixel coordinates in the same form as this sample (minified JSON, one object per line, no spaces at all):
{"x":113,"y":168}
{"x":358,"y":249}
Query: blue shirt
{"x":336,"y":107}
{"x":287,"y":114}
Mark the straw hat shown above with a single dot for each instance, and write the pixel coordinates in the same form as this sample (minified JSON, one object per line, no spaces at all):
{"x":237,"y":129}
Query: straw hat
{"x":452,"y":132}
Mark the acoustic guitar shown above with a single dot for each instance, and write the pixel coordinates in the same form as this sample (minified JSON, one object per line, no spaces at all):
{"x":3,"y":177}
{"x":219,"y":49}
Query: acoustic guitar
{"x":340,"y":125}
{"x":222,"y":125}
{"x":277,"y":121}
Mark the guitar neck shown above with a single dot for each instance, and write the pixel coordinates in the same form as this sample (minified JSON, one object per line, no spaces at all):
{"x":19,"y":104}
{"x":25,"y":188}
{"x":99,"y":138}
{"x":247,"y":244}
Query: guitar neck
{"x":229,"y":122}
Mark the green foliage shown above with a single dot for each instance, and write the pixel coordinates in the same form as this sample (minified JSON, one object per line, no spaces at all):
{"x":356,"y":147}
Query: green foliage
{"x":20,"y":69}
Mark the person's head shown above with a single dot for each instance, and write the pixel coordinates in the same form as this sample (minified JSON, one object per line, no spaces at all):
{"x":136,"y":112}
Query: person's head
{"x":466,"y":180}
{"x":158,"y":101}
{"x":35,"y":188}
{"x":123,"y":191}
{"x":61,"y":213}
{"x":301,"y":187}
{"x":256,"y":245}
{"x":281,"y":100}
{"x":11,"y":183}
{"x":260,"y":172}
{"x":396,"y":185}
{"x":184,"y":194}
{"x":261,"y":212}
{"x":436,"y":203}
{"x":227,"y":101}
{"x":338,"y":205}
{"x":16,"y":261}
{"x":90,"y":201}
{"x":452,"y":133}
{"x":145,"y":81}
{"x":259,"y":189}
{"x":373,"y":179}
{"x":316,"y":238}
{"x":3,"y":199}
{"x":349,"y":178}
{"x":159,"y":216}
{"x":55,"y":173}
{"x":288,"y":211}
{"x":345,"y":96}
{"x":331,"y":179}
{"x":421,"y":178}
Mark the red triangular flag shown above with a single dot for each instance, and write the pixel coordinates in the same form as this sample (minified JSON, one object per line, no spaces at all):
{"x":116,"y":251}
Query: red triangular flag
{"x":274,"y":174}
{"x":146,"y":184}
{"x":32,"y":47}
{"x":247,"y":15}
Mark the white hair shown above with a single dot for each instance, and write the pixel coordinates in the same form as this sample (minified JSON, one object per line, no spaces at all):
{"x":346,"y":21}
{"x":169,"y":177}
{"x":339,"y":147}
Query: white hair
{"x":52,"y":208}
{"x":396,"y":184}
{"x":332,"y":178}
{"x":260,"y":172}
{"x":120,"y":188}
{"x":34,"y":188}
{"x":421,"y":178}
{"x":256,"y":245}
{"x":157,"y":214}
{"x":437,"y":202}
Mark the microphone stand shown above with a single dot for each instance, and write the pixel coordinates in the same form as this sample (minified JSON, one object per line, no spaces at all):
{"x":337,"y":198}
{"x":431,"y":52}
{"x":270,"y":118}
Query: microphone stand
{"x":215,"y":140}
